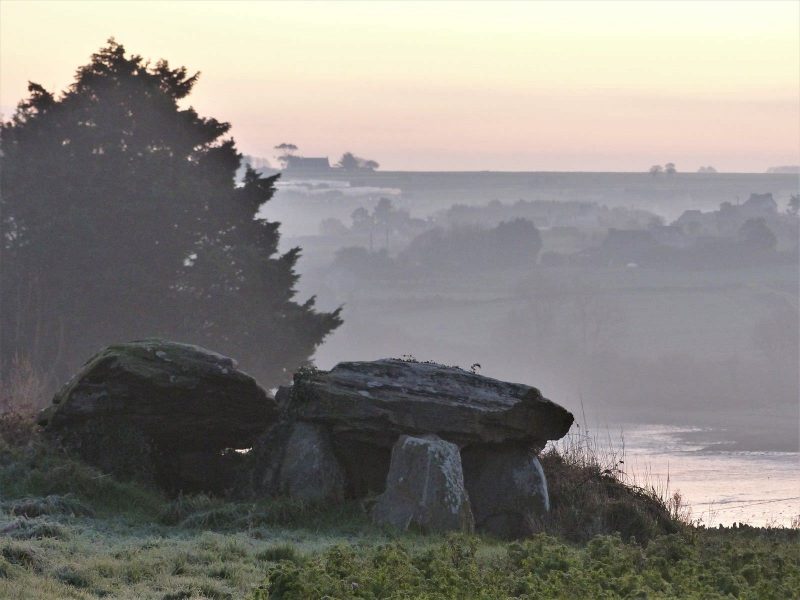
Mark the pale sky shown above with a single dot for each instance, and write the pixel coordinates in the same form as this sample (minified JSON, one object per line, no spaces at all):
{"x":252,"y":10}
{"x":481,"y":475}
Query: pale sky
{"x":594,"y":86}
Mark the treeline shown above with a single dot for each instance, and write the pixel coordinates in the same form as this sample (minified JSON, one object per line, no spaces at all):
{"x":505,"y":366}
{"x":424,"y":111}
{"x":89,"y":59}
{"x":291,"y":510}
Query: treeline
{"x":121,"y":220}
{"x":510,"y":244}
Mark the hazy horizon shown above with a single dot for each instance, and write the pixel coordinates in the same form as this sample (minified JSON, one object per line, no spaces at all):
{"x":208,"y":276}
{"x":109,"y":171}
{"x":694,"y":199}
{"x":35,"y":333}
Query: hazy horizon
{"x":587,"y":87}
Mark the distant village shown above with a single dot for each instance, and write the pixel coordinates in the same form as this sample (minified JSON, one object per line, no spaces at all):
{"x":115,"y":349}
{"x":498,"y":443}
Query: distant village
{"x":292,"y":163}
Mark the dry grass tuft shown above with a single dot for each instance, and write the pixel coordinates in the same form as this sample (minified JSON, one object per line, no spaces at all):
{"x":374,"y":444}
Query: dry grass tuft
{"x":23,"y":389}
{"x":592,"y":494}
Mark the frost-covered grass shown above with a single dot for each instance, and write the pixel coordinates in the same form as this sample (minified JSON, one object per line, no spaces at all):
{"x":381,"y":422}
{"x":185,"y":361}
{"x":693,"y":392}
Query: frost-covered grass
{"x":67,"y":531}
{"x":62,"y":557}
{"x":89,"y":557}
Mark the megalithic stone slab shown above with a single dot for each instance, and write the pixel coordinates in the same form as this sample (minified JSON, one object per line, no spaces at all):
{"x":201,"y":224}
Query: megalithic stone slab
{"x":376,"y":402}
{"x":180,"y":396}
{"x":161,"y":412}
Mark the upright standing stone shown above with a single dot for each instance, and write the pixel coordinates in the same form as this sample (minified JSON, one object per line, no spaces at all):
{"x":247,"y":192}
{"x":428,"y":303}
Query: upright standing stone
{"x":294,"y":460}
{"x":507,"y":488}
{"x":424,"y":488}
{"x":309,"y":470}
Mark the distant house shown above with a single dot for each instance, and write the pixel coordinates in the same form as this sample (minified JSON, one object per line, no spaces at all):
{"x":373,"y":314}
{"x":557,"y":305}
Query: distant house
{"x":726,"y":221}
{"x":307,"y":163}
{"x":759,"y":205}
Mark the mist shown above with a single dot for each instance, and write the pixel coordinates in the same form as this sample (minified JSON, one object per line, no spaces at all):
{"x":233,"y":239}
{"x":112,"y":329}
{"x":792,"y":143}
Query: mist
{"x":630,"y":297}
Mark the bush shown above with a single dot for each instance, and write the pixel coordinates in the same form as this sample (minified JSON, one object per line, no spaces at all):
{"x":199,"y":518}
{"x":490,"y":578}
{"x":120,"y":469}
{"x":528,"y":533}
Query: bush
{"x":390,"y":571}
{"x":73,"y":576}
{"x":17,"y":428}
{"x":5,"y":569}
{"x":543,"y":567}
{"x":54,"y":504}
{"x":32,"y":530}
{"x":36,"y":478}
{"x":186,"y":506}
{"x":278,"y":553}
{"x":21,"y":555}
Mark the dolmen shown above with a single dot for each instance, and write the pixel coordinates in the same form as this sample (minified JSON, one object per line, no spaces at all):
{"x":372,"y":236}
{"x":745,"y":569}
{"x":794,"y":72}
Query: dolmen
{"x":444,"y":448}
{"x":425,"y":446}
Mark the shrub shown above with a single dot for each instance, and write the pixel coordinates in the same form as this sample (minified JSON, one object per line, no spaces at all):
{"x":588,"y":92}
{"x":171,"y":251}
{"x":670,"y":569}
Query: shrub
{"x":449,"y":570}
{"x":23,"y":388}
{"x":32,"y":530}
{"x":37,"y":478}
{"x":53,"y":504}
{"x":5,"y":569}
{"x":73,"y":576}
{"x":278,"y":553}
{"x":204,"y":590}
{"x":187,"y":505}
{"x":17,"y":428}
{"x":22,"y":556}
{"x":545,"y":567}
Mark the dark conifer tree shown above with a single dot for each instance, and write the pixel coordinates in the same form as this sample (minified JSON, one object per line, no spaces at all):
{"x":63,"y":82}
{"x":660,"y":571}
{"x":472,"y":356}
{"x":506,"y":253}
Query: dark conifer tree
{"x":121,"y":220}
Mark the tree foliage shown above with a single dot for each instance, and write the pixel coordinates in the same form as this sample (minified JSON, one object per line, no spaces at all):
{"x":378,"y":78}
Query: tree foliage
{"x":793,"y":206}
{"x":285,"y":152}
{"x":757,"y":234}
{"x":511,"y":243}
{"x":121,"y":220}
{"x":351,"y":162}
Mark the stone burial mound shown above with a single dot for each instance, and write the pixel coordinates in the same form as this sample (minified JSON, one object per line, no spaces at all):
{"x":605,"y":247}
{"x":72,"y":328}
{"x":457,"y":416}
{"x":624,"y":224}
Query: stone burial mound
{"x":160,"y":412}
{"x":430,"y":447}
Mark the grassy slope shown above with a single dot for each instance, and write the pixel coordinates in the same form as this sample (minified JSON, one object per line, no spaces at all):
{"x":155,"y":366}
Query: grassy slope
{"x":120,"y":558}
{"x":123,"y":558}
{"x":67,"y":531}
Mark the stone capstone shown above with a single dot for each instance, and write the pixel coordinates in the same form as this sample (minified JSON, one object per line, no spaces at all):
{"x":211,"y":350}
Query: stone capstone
{"x":376,"y":402}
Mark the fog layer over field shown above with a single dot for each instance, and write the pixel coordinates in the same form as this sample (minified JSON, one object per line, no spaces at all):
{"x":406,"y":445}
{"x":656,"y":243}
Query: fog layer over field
{"x":650,"y":298}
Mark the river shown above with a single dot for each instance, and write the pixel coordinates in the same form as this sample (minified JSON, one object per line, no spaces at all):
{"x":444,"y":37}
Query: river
{"x":720,"y":487}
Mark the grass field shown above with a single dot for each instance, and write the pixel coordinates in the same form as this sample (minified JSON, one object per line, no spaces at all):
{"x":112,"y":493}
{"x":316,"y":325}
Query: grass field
{"x":62,"y":557}
{"x":67,"y":531}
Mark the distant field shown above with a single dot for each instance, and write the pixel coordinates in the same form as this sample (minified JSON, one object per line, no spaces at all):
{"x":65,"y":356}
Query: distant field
{"x":463,"y":317}
{"x":649,"y":345}
{"x":633,"y":344}
{"x":425,"y":193}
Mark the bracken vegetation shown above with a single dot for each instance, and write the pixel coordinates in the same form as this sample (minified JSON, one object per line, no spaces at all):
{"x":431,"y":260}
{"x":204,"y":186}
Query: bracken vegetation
{"x":760,"y":566}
